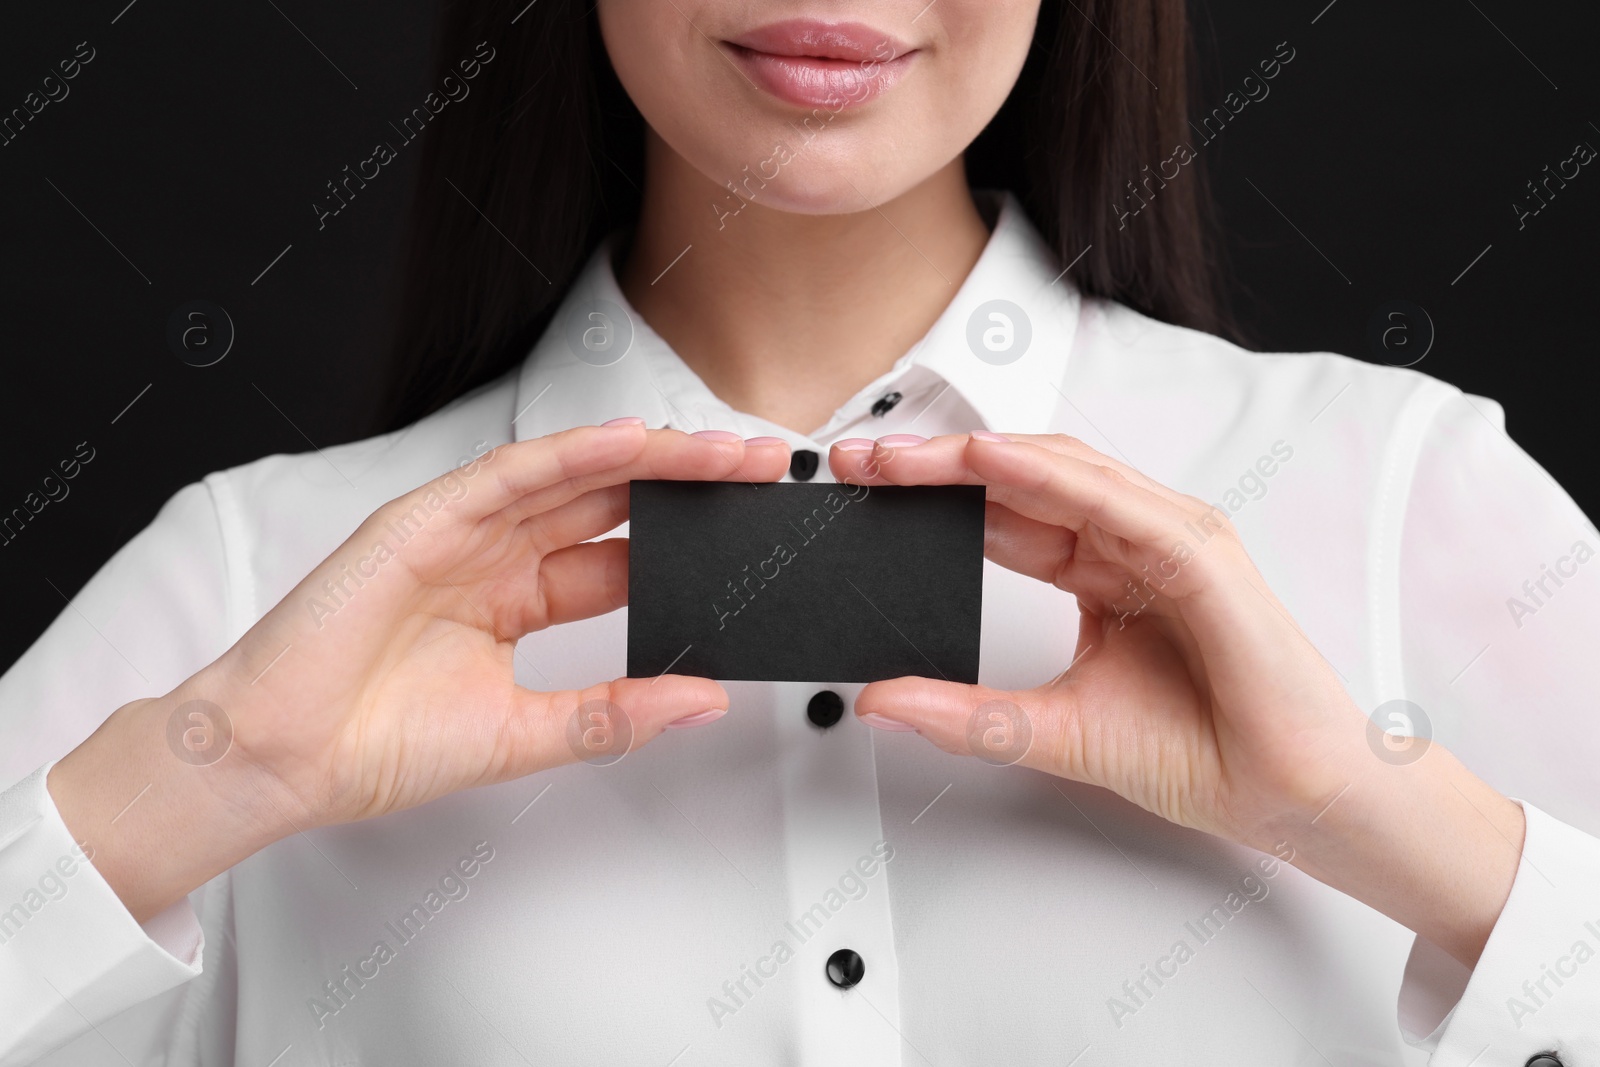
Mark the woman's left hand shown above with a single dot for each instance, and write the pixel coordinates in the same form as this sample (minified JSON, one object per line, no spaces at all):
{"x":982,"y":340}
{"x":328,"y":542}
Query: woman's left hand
{"x":1192,"y":692}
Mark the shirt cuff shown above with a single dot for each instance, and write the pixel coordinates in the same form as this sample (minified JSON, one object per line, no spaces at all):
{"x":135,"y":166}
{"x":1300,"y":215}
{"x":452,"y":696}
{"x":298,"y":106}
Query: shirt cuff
{"x":71,"y":954}
{"x":1536,"y":988}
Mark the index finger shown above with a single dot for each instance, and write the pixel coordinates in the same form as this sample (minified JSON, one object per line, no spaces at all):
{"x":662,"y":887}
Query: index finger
{"x":529,"y":477}
{"x":1049,"y":485}
{"x":902,"y":459}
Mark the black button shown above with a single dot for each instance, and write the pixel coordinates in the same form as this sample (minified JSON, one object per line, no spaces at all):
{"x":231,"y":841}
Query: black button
{"x":846,"y":968}
{"x":825,"y":709}
{"x":803,"y":464}
{"x":1544,"y":1059}
{"x":885,"y":404}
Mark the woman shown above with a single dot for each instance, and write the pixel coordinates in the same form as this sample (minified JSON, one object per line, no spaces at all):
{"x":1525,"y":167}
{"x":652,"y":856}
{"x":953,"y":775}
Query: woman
{"x":382,"y":814}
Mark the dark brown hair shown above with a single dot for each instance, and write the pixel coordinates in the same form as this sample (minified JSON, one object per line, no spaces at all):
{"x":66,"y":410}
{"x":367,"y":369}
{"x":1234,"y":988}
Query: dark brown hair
{"x":519,"y":181}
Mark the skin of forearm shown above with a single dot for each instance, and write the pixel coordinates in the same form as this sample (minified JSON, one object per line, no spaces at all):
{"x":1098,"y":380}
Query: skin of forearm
{"x":1428,"y":844}
{"x":158,"y":827}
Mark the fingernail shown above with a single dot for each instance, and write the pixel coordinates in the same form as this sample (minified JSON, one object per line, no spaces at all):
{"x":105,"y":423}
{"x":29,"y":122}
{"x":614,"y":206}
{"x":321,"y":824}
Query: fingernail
{"x":698,"y":719}
{"x":985,"y":435}
{"x":717,"y":435}
{"x":854,"y":444}
{"x":901,"y":440}
{"x":878,"y":722}
{"x":765,"y":441}
{"x":629,"y":420}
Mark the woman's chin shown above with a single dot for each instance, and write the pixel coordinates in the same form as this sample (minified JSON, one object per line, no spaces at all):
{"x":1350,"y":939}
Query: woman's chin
{"x":820,"y":185}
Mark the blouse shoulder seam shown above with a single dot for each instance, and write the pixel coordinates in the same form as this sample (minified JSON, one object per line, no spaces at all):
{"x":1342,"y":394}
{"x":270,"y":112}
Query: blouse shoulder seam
{"x":238,"y":590}
{"x":1391,"y":495}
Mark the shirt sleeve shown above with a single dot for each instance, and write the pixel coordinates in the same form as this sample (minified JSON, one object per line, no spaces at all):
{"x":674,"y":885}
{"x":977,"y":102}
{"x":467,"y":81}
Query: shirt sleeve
{"x":1499,"y":616}
{"x":71,"y":955}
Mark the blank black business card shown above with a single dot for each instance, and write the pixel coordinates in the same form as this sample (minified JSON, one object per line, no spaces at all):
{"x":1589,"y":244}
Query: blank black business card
{"x":804,"y":581}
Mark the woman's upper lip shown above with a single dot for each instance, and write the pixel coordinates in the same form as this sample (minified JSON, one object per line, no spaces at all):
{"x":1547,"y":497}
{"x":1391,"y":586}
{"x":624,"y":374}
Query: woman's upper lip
{"x":822,"y":40}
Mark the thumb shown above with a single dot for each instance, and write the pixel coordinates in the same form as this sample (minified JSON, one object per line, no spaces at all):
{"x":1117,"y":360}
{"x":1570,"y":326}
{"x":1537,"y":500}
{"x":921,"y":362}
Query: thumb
{"x":603,"y":723}
{"x":997,"y":726}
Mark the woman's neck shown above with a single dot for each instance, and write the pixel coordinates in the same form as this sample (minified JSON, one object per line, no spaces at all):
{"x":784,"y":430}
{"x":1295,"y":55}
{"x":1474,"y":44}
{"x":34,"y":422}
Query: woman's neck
{"x":784,"y":315}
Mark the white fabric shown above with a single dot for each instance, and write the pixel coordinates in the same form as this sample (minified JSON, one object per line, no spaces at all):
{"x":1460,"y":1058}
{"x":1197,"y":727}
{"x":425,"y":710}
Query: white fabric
{"x":1004,"y":916}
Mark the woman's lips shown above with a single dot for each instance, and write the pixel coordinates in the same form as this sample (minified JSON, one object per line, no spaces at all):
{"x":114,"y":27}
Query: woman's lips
{"x":821,"y":64}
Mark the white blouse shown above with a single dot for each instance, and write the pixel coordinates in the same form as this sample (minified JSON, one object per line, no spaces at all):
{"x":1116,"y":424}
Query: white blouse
{"x":678,"y":907}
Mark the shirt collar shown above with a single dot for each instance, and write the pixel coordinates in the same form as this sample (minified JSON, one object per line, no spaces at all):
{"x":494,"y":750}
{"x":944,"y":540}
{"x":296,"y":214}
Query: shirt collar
{"x":600,"y":360}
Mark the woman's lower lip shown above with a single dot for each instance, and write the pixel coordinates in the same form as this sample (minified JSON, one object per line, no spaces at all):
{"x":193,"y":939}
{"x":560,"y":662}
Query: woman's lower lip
{"x":807,"y":81}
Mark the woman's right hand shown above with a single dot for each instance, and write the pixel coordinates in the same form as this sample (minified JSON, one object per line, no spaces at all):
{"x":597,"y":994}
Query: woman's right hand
{"x":349,"y":700}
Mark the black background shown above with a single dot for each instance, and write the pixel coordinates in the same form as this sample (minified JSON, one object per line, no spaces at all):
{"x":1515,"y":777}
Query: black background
{"x":1385,"y":161}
